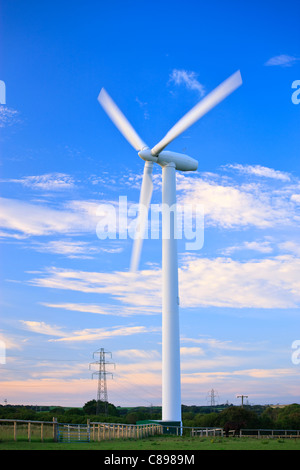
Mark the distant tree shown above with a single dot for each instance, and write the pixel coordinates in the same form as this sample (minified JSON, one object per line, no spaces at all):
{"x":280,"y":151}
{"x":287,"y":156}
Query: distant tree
{"x":58,"y":410}
{"x":268,"y":418}
{"x":289,"y":417}
{"x":236,"y":414}
{"x":90,"y":407}
{"x":132,"y":418}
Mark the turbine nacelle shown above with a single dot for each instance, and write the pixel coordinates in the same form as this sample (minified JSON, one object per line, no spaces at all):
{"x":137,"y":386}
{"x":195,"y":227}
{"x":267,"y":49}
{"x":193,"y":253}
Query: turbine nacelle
{"x":182,"y":162}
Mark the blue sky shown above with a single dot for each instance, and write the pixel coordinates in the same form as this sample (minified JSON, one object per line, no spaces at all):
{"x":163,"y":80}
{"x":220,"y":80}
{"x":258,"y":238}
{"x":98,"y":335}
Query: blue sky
{"x":64,"y":292}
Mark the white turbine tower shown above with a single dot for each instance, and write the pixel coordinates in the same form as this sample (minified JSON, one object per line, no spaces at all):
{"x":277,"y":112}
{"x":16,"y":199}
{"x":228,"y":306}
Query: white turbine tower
{"x":170,"y":162}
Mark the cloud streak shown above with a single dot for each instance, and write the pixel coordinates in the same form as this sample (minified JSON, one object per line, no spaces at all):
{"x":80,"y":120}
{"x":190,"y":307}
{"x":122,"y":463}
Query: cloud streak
{"x":220,"y":282}
{"x":20,"y":218}
{"x":8,"y":116}
{"x":282,"y":60}
{"x":87,"y":334}
{"x":261,"y":171}
{"x":48,"y":182}
{"x":189,"y":79}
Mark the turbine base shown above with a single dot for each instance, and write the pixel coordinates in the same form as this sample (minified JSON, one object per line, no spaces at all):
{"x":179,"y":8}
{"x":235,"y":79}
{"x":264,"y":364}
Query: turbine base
{"x":169,"y":427}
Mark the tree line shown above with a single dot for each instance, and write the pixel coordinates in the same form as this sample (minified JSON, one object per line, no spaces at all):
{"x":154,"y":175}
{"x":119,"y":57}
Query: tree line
{"x":255,"y":417}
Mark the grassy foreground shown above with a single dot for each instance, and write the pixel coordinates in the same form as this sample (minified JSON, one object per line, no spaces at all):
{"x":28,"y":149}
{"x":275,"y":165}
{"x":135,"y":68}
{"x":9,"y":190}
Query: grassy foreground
{"x":158,"y":443}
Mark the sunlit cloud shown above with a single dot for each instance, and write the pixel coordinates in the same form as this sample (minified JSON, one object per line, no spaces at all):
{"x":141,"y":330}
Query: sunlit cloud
{"x":221,"y":282}
{"x":106,"y":309}
{"x":99,"y":334}
{"x":42,"y":328}
{"x":87,"y":334}
{"x":137,"y":354}
{"x":33,"y":219}
{"x":232,"y":205}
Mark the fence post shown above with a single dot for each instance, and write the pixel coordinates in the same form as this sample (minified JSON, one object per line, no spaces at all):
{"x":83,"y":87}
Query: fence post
{"x":29,"y":431}
{"x":42,"y":432}
{"x":88,"y":429}
{"x":15,"y":430}
{"x":55,"y":429}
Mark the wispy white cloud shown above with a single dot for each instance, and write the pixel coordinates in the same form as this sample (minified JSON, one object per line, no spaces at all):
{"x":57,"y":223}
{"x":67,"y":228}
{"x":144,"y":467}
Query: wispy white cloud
{"x":106,"y":309}
{"x":282,"y":60}
{"x":191,"y":351}
{"x":290,"y":247}
{"x":230,"y":204}
{"x":187,"y":78}
{"x":295,"y":198}
{"x":143,"y":106}
{"x":262,"y":171}
{"x":68,"y":248}
{"x":226,"y":203}
{"x":224,"y":282}
{"x":125,"y":287}
{"x":88,"y":334}
{"x":221,"y":282}
{"x":99,"y":334}
{"x":137,"y":354}
{"x":8,"y":116}
{"x":218,"y":345}
{"x":50,"y":181}
{"x":261,"y":246}
{"x":42,"y":328}
{"x":32,"y":219}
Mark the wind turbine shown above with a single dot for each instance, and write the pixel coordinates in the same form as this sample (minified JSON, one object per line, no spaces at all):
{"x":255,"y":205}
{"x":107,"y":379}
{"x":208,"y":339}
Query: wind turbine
{"x":169,"y":162}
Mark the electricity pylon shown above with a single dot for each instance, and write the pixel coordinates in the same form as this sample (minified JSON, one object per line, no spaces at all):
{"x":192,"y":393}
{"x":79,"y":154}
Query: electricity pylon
{"x":102,"y":396}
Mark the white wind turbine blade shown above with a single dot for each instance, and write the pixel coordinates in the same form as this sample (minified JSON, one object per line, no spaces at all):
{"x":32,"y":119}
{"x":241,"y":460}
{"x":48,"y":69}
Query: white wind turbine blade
{"x":144,"y":203}
{"x":205,"y":105}
{"x":120,"y":120}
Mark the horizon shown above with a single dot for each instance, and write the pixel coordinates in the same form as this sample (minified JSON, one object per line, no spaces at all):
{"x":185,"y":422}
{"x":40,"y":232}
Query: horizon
{"x":65,"y":292}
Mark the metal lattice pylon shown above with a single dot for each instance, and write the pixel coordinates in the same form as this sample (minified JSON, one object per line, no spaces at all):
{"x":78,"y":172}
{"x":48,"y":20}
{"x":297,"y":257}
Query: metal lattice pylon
{"x":102,"y":396}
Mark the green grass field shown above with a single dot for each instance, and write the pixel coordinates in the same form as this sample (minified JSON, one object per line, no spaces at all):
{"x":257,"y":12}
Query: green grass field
{"x":162,"y":443}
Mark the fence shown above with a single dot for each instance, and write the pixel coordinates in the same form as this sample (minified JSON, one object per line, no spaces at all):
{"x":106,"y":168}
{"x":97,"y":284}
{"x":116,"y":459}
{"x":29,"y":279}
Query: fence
{"x":27,"y":429}
{"x":206,"y":432}
{"x":270,"y":433}
{"x":106,"y":431}
{"x":64,"y":432}
{"x":73,"y":433}
{"x":95,"y":431}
